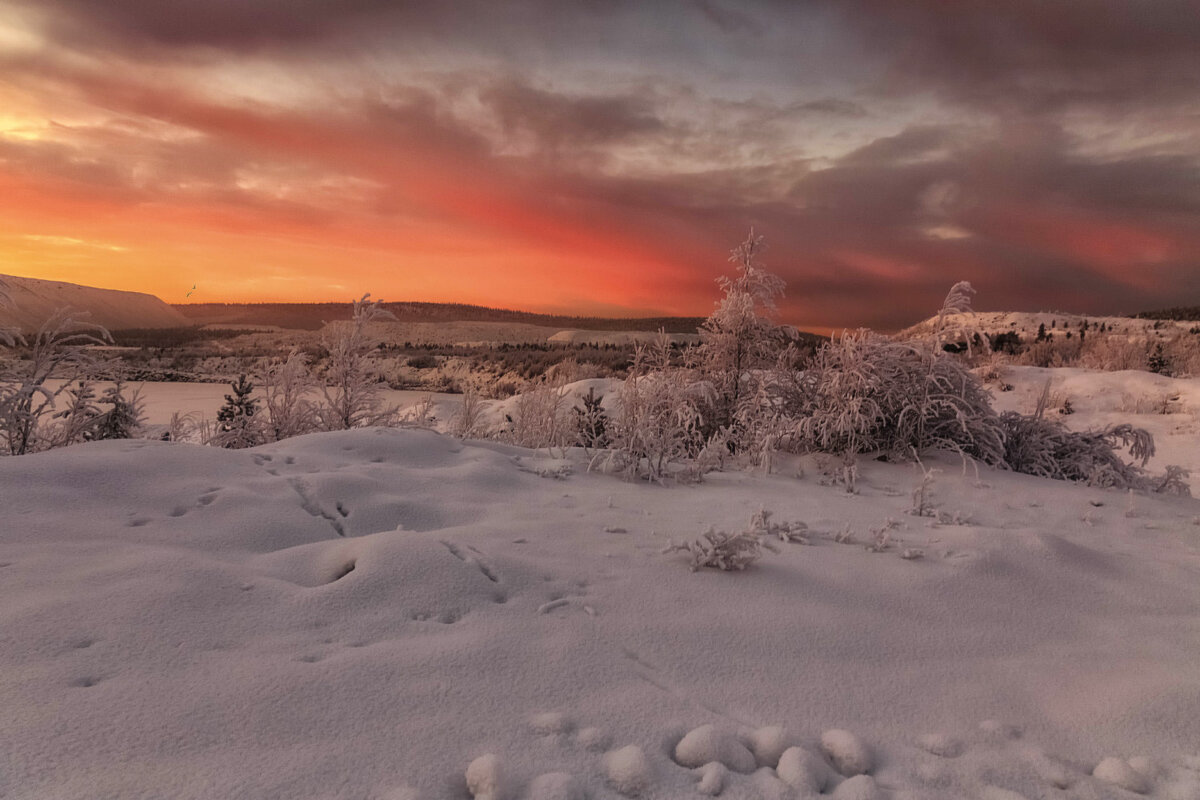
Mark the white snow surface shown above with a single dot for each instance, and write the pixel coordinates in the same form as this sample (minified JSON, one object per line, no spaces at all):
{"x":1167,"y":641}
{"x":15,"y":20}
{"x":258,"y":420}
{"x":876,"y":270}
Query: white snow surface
{"x":356,"y":615}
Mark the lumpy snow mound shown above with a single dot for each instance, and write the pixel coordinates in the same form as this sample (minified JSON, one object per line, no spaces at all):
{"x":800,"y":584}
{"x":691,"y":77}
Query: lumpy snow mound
{"x":36,"y":300}
{"x":396,"y":614}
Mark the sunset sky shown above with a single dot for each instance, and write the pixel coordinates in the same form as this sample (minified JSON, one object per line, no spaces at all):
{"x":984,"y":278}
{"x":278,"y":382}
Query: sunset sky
{"x":603,"y":156}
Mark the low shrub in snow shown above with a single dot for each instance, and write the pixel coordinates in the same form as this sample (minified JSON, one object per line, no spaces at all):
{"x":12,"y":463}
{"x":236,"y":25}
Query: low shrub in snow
{"x":1036,"y":445}
{"x":736,"y":551}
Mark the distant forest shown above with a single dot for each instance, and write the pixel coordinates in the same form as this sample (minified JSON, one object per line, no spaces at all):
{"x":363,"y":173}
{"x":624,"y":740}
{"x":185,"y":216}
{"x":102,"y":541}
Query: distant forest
{"x":1181,"y":314}
{"x":311,"y":316}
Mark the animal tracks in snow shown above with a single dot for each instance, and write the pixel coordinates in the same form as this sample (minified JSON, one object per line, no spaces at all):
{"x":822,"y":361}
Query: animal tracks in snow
{"x":473,"y":558}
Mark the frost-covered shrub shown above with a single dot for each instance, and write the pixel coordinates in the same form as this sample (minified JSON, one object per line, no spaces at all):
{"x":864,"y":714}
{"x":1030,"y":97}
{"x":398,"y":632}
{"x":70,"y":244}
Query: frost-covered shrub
{"x":467,"y":422}
{"x":657,"y":419}
{"x":59,"y":349}
{"x":351,"y":394}
{"x":1045,"y":447}
{"x":863,"y":392}
{"x":1113,"y":352}
{"x":725,"y":551}
{"x":866,"y":393}
{"x":286,"y":390}
{"x":541,"y":418}
{"x":736,"y":551}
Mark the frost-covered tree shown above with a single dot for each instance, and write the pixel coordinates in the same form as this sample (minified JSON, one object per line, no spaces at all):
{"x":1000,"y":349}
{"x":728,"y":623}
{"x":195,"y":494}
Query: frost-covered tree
{"x":739,"y":339}
{"x":591,"y":421}
{"x":125,"y":415}
{"x":237,"y":425}
{"x":351,"y":391}
{"x":60,"y":350}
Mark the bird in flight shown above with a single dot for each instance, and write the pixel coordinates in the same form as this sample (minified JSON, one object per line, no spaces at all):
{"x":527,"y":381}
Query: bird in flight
{"x":189,"y":294}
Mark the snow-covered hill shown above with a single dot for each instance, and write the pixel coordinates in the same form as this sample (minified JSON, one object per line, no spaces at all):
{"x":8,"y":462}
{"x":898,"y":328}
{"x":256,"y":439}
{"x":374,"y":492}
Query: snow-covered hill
{"x":365,"y":614}
{"x":1025,"y":324}
{"x":36,"y":300}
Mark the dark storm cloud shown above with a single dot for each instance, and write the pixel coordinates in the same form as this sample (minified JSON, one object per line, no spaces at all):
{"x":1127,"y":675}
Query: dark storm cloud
{"x":1035,"y":54}
{"x":557,"y":119}
{"x":834,"y":105}
{"x":728,"y":18}
{"x":217,"y":23}
{"x":995,"y":187}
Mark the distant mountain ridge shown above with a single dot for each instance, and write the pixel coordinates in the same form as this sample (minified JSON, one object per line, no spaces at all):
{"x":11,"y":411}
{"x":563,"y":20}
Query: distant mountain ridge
{"x":311,"y":316}
{"x":35,"y":300}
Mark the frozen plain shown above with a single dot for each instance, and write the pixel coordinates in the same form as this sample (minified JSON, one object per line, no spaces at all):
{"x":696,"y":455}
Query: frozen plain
{"x":366,"y":614}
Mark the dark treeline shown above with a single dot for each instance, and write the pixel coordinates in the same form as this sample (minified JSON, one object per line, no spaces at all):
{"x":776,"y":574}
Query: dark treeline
{"x":311,"y":316}
{"x":1182,"y":314}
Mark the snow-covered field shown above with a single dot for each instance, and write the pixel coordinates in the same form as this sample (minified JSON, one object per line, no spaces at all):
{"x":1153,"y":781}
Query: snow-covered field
{"x":369,"y":614}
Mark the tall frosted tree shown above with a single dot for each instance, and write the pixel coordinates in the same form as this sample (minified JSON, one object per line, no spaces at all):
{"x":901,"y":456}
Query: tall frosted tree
{"x":739,"y":337}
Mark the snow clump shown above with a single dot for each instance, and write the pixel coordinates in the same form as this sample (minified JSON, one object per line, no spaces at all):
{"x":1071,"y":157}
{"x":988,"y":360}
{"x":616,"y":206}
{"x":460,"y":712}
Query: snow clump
{"x":803,"y":770}
{"x":485,"y":778}
{"x":628,"y":770}
{"x":848,"y":754}
{"x":707,"y":743}
{"x":769,"y":743}
{"x":860,"y":787}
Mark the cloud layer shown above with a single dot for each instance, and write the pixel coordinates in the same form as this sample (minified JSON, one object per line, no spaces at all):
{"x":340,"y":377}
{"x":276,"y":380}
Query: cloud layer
{"x":602,"y":157}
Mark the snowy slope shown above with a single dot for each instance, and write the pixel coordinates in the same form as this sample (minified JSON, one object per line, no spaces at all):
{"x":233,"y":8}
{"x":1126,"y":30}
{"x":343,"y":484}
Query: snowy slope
{"x":1025,"y":323}
{"x":365,"y":614}
{"x":35,"y":300}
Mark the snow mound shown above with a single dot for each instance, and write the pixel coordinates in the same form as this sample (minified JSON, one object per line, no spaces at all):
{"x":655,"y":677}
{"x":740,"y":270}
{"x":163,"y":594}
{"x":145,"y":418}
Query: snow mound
{"x":1119,"y":772}
{"x":803,"y":770}
{"x":769,"y":743}
{"x":708,"y":743}
{"x":848,"y":754}
{"x":486,"y":779}
{"x":859,"y":787}
{"x":628,"y":771}
{"x":556,"y":786}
